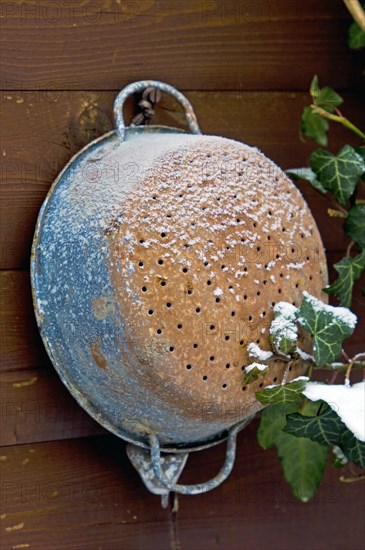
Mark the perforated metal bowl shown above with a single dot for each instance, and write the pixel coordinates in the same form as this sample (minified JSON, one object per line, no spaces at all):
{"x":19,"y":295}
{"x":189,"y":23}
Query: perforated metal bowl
{"x":157,"y":259}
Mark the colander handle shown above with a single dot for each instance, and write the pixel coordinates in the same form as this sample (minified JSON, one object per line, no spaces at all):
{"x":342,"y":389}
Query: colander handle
{"x":139,"y":87}
{"x":200,"y":487}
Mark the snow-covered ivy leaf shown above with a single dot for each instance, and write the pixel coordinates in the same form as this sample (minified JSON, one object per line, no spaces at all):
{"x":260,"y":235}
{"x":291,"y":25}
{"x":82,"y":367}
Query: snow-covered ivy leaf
{"x":282,"y":394}
{"x":314,"y":126}
{"x":254,"y":371}
{"x":308,"y":175}
{"x":349,"y":271}
{"x":338,"y":173}
{"x":284,"y":328}
{"x":346,"y":401}
{"x":356,"y":37}
{"x":329,"y":326}
{"x":328,"y":429}
{"x":355,"y":224}
{"x":303,"y":461}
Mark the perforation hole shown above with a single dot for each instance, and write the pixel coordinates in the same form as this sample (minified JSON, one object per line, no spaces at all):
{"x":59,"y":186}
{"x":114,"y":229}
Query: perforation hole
{"x":224,"y":386}
{"x":168,"y":304}
{"x":205,"y":377}
{"x":217,"y":300}
{"x":144,"y":289}
{"x":140,"y":264}
{"x":250,"y":317}
{"x":211,"y":358}
{"x":171,"y":348}
{"x":185,"y":269}
{"x":226,"y":338}
{"x":195,"y":346}
{"x":179,"y":326}
{"x":212,"y":327}
{"x":198,"y":310}
{"x":209,"y":282}
{"x":163,"y":283}
{"x":233,"y":313}
{"x":188,"y":367}
{"x":160,"y":261}
{"x":228,"y":365}
{"x":275,"y":379}
{"x":244,"y":388}
{"x":141,"y":241}
{"x":150,"y":312}
{"x":159,"y":331}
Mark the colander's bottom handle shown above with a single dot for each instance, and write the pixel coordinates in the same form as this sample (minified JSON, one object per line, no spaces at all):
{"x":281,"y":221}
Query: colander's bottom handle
{"x":199,"y":487}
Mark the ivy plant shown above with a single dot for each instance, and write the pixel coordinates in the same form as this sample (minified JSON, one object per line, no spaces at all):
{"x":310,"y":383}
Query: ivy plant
{"x":305,"y":420}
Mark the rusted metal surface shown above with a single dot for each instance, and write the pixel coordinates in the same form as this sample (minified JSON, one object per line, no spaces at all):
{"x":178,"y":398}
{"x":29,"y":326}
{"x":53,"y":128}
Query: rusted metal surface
{"x":151,"y":274}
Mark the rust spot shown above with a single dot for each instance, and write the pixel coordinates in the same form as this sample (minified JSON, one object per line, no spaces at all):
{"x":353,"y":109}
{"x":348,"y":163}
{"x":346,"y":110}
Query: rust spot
{"x":102,"y":307}
{"x":98,"y":356}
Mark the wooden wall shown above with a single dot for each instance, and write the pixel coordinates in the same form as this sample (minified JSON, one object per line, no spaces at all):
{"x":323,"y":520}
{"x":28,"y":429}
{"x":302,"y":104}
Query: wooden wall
{"x":246,"y":67}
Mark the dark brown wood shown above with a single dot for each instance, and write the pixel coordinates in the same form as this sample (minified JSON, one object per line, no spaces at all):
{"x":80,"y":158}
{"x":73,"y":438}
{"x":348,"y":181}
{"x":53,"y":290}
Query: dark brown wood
{"x":192,"y":44}
{"x":35,"y":406}
{"x":40,"y":134}
{"x":85,"y":494}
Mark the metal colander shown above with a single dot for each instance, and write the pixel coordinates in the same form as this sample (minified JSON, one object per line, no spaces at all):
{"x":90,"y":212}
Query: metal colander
{"x":157,"y":259}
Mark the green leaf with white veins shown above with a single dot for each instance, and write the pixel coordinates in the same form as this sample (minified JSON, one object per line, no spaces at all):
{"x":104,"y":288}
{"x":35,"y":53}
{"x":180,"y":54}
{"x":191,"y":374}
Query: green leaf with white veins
{"x":349,"y":270}
{"x":325,"y":428}
{"x":338,"y":173}
{"x":355,"y":224}
{"x":329,"y":326}
{"x":283,"y":393}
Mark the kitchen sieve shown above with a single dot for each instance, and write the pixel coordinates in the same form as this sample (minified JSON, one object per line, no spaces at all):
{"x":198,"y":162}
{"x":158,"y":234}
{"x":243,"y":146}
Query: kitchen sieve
{"x":157,"y":258}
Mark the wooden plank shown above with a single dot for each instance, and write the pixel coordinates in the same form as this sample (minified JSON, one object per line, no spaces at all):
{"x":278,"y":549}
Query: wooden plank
{"x":106,"y":44}
{"x":20,"y":343}
{"x":75,"y":495}
{"x":41,"y":132}
{"x":35,"y":406}
{"x":21,"y":346}
{"x":85,"y":494}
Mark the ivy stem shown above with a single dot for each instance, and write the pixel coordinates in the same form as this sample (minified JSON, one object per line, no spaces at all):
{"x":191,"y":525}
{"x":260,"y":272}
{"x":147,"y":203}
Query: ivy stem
{"x":357,"y":12}
{"x":343,"y":367}
{"x":341,"y":119}
{"x":348,"y":249}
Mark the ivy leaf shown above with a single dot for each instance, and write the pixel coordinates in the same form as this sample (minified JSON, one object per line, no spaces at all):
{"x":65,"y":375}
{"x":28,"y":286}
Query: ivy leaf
{"x":314,"y":88}
{"x":356,"y":39}
{"x":283,"y":394}
{"x":308,"y":175}
{"x":353,"y":448}
{"x":254,"y":371}
{"x":349,"y":270}
{"x":361,"y":151}
{"x":338,"y":173}
{"x":327,"y":429}
{"x":314,"y":126}
{"x":329,"y":326}
{"x":303,"y":461}
{"x":284,"y":329}
{"x":355,"y":224}
{"x":328,"y":99}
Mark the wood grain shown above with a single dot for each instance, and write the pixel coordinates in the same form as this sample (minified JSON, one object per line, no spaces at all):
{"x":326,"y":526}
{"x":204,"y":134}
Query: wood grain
{"x":41,"y":133}
{"x":191,"y":44}
{"x":85,"y":494}
{"x":35,"y":406}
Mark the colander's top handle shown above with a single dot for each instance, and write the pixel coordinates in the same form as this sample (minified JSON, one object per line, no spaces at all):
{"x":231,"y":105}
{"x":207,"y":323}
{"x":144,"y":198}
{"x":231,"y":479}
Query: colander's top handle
{"x":200,"y":487}
{"x":139,"y":87}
